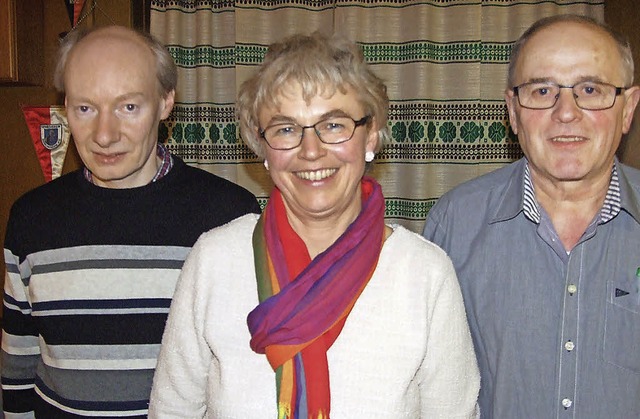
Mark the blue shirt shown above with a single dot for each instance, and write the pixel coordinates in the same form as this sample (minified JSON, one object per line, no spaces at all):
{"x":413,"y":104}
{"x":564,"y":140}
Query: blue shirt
{"x":557,"y":335}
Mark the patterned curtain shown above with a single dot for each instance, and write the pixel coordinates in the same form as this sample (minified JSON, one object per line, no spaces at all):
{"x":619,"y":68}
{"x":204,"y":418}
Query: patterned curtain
{"x":444,"y":63}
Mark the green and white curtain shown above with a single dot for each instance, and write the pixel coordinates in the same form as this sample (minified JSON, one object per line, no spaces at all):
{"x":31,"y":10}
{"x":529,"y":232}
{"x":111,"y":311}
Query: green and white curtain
{"x":444,"y":63}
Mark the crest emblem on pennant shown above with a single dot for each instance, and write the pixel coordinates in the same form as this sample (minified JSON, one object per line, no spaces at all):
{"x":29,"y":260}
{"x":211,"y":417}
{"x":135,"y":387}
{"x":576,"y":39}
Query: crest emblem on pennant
{"x":51,"y":135}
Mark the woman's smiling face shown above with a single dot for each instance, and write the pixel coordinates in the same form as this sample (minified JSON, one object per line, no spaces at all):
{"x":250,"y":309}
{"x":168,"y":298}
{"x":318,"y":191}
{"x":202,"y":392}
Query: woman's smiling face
{"x":319,"y":181}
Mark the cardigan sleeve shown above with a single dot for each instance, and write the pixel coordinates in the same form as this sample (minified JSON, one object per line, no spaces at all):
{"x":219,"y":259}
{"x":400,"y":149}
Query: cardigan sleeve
{"x":180,"y":381}
{"x":450,"y":379}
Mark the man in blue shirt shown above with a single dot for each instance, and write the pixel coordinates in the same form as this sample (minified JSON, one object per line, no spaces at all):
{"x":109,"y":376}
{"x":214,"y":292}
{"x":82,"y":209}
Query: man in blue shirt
{"x":547,"y":248}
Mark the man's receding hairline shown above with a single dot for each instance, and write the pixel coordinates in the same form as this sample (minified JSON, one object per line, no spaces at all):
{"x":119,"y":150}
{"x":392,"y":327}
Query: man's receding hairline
{"x":114,"y":33}
{"x":585,"y":24}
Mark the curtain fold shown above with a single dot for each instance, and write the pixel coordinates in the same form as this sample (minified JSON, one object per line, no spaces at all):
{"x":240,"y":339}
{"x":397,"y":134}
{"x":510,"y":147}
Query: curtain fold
{"x":444,"y":63}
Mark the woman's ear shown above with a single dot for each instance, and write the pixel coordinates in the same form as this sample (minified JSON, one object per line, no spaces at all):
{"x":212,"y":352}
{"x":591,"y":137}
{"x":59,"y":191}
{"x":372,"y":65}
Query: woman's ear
{"x":373,"y":137}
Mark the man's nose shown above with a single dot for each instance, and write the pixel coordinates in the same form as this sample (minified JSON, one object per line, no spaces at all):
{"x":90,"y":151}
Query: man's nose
{"x":107,"y":129}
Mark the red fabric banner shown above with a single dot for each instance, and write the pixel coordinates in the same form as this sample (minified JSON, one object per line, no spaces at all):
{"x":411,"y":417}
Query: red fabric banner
{"x":50,"y":135}
{"x":74,"y":8}
{"x":77,"y":8}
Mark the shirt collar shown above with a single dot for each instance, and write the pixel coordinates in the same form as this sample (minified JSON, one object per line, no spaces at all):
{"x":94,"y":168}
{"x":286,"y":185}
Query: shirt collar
{"x":610,"y":208}
{"x":629,"y":193}
{"x":510,"y":204}
{"x":165,"y":165}
{"x":519,"y":195}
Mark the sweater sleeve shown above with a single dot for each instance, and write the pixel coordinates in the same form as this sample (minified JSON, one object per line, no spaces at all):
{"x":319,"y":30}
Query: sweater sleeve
{"x":185,"y":360}
{"x":450,"y":378}
{"x":20,"y":348}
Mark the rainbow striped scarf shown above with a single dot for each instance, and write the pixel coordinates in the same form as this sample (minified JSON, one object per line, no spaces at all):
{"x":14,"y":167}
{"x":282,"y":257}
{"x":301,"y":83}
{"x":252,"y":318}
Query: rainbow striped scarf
{"x":304,"y":303}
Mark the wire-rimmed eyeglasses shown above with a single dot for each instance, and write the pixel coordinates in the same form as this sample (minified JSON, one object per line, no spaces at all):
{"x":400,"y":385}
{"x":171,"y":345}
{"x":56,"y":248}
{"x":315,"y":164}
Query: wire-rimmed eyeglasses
{"x":334,"y":130}
{"x":589,"y":95}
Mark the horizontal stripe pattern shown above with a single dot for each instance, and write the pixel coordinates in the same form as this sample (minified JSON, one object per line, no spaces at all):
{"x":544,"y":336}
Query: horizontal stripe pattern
{"x":101,"y":357}
{"x":122,"y":291}
{"x":380,"y":53}
{"x":94,"y":409}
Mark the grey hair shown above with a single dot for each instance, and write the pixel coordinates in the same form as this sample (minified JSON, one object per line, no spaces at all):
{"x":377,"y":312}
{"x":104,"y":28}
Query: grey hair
{"x":321,"y":65}
{"x":166,"y":70}
{"x":622,"y":42}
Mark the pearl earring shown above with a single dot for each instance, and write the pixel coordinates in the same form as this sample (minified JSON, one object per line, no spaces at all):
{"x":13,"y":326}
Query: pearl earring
{"x":266,"y":165}
{"x":368,"y":156}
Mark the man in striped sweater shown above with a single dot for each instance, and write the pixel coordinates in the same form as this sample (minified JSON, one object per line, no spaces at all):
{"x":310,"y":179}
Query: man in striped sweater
{"x":93,"y":257}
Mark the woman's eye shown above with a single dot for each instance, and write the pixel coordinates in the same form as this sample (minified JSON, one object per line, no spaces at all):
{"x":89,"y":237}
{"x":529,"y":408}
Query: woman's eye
{"x":130,"y":107}
{"x":286,"y":130}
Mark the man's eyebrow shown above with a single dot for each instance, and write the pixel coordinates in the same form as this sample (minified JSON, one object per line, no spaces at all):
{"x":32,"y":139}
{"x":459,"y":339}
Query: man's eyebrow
{"x":542,"y":80}
{"x":131,"y":95}
{"x":580,"y":79}
{"x":595,"y":79}
{"x":120,"y":98}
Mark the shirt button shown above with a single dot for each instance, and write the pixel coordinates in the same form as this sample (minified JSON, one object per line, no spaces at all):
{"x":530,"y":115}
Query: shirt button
{"x":569,"y":346}
{"x":566,"y":403}
{"x":572,"y":289}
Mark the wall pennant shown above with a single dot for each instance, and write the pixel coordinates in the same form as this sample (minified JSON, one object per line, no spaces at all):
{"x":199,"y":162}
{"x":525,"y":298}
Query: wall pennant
{"x":74,"y":7}
{"x":50,"y":135}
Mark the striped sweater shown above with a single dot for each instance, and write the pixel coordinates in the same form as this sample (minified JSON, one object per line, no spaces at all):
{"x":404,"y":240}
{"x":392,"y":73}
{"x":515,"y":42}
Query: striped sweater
{"x":90,"y":275}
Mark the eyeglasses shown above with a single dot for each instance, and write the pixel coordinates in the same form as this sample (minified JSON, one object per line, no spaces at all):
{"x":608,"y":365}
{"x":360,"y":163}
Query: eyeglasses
{"x":589,"y":95}
{"x":334,"y":130}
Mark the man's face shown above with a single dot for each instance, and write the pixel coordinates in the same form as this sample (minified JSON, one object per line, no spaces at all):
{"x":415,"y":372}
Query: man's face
{"x":566,"y":143}
{"x":114,"y":105}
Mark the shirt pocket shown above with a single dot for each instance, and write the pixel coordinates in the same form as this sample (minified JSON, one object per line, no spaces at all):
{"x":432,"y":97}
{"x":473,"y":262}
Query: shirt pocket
{"x":622,"y":326}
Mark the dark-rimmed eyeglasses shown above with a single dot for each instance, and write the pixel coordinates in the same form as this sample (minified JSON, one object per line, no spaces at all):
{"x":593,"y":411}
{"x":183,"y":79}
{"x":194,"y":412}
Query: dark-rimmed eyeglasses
{"x":589,"y":95}
{"x":334,"y":130}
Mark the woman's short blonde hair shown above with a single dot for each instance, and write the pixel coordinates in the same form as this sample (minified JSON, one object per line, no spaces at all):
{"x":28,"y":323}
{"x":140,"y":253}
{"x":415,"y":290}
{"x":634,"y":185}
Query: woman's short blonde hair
{"x":321,"y":65}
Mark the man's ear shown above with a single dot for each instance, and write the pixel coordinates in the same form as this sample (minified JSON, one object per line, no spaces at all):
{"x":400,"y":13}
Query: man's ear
{"x":167,"y":104}
{"x":510,"y":99}
{"x":631,"y":97}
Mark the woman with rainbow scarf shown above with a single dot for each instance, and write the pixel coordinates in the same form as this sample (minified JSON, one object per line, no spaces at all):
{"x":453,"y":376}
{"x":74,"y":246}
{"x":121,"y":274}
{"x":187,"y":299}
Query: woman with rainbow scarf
{"x":316,"y":308}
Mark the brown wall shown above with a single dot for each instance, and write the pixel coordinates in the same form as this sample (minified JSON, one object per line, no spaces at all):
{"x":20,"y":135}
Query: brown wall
{"x":622,"y":16}
{"x":19,"y":167}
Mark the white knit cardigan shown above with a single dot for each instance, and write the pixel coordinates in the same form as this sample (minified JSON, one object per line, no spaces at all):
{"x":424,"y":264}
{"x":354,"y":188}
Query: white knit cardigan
{"x":404,"y":352}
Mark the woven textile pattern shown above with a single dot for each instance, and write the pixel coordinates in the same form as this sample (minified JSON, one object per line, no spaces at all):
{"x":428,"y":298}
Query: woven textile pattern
{"x":444,"y":63}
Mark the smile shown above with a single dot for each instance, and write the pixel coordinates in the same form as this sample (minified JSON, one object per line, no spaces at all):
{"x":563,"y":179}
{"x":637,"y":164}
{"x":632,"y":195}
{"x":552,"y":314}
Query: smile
{"x":316,"y":175}
{"x":110,"y":158}
{"x":567,"y":139}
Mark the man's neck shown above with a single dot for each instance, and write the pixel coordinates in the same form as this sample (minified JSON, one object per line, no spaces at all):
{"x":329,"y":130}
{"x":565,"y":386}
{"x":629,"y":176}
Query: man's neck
{"x":571,"y":206}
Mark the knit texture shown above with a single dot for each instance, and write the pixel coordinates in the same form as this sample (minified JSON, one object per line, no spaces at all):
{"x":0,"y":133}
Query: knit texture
{"x":91,"y":274}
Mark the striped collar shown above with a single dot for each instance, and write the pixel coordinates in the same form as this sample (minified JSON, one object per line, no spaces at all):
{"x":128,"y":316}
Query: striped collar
{"x":610,"y":208}
{"x":165,"y":165}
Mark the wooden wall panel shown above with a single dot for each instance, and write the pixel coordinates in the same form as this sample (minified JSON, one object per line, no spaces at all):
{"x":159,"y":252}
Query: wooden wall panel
{"x":19,"y":167}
